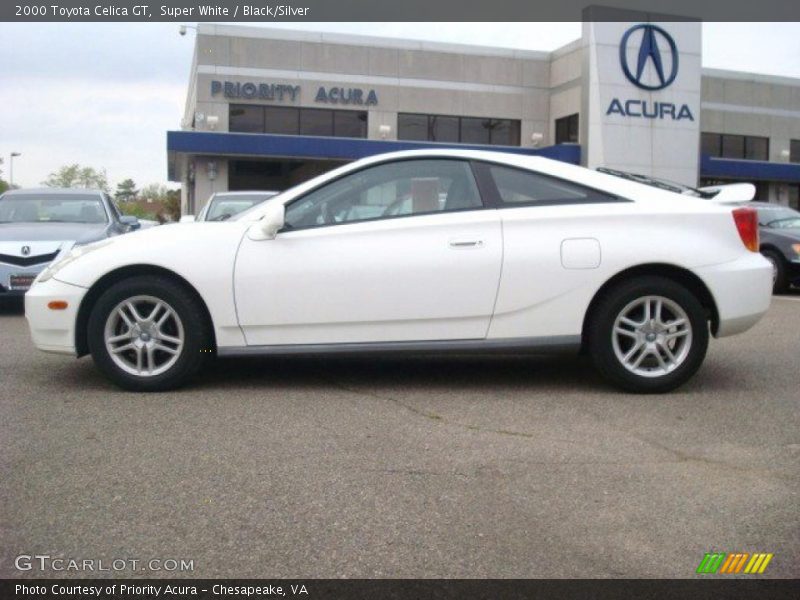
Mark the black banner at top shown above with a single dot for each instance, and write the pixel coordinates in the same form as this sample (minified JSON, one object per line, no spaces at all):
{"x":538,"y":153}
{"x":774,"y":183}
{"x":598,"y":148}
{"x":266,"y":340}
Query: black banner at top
{"x":266,"y":11}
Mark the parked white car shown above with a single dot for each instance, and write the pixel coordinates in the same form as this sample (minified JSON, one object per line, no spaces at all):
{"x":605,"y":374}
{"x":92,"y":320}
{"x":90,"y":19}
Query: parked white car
{"x":224,"y":205}
{"x":524,"y":254}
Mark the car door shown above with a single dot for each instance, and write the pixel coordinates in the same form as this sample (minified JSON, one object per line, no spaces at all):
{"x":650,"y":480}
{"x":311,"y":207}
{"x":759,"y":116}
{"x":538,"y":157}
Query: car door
{"x":400,"y":251}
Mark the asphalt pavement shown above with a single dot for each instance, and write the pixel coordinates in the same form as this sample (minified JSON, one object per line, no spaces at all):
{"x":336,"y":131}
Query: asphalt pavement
{"x":499,"y":466}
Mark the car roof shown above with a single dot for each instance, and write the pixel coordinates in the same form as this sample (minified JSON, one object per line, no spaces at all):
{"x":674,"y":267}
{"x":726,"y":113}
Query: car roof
{"x":547,"y":166}
{"x":244,"y":193}
{"x":47,"y":191}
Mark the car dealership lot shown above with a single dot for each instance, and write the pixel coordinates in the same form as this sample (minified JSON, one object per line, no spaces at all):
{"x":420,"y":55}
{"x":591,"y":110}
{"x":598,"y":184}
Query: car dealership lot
{"x":405,"y":467}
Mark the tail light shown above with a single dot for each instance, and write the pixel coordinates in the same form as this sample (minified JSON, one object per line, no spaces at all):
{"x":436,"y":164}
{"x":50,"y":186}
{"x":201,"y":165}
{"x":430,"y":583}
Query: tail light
{"x":746,"y":220}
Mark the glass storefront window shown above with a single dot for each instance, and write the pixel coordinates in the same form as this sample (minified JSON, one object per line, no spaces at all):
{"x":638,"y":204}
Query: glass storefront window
{"x":464,"y":130}
{"x":443,"y":129}
{"x":316,"y":122}
{"x":721,"y":145}
{"x":412,"y":127}
{"x":475,"y":131}
{"x":244,"y":118}
{"x":289,"y":120}
{"x":349,"y":123}
{"x":567,"y":130}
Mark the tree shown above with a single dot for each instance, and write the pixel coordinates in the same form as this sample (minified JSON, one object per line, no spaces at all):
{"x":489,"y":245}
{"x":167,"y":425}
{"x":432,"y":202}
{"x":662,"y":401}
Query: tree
{"x":170,"y":200}
{"x":76,"y":176}
{"x":155,"y":192}
{"x":3,"y":183}
{"x":172,"y":204}
{"x":126,"y":191}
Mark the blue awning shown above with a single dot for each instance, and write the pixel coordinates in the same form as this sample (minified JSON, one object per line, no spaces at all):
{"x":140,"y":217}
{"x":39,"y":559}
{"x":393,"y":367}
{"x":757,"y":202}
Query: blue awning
{"x":750,"y":170}
{"x":250,"y":145}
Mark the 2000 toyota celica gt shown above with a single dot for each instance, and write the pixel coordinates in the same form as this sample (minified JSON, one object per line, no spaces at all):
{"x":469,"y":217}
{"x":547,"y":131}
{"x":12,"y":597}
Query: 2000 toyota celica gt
{"x":419,"y":251}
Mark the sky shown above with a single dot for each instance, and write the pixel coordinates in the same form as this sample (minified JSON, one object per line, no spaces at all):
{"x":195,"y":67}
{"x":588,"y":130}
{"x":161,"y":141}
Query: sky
{"x":105,"y":94}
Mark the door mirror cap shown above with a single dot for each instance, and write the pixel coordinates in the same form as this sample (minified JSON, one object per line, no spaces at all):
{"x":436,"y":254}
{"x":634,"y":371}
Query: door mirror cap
{"x":270,"y":224}
{"x":187,"y":219}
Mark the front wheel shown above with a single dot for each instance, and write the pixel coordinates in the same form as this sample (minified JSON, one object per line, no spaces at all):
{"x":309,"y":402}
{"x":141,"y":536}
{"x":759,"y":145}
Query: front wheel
{"x":148,"y":334}
{"x":649,"y":335}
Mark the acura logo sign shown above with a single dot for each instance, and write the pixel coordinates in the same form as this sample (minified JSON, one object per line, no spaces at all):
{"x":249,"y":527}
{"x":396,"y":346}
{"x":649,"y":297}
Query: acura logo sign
{"x":664,"y":66}
{"x":26,"y":250}
{"x":650,"y":66}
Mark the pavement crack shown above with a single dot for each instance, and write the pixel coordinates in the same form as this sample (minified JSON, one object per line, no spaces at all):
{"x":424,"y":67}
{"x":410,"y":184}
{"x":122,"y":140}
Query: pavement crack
{"x":430,"y":415}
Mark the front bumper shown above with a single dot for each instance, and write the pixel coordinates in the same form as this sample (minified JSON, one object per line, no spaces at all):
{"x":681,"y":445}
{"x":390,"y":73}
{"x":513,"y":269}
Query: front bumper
{"x":742,"y":291}
{"x":53,"y":330}
{"x":6,"y":271}
{"x":793,"y":272}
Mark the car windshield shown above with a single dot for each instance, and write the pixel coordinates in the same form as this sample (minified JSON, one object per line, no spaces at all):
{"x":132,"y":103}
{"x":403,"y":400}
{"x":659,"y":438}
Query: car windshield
{"x":663,"y":184}
{"x":224,"y":206}
{"x":779,"y":217}
{"x":52,"y":208}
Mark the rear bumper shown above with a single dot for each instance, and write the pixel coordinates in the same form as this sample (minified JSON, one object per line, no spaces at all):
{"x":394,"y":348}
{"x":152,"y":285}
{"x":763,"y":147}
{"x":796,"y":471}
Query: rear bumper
{"x":742,"y":291}
{"x":53,"y":330}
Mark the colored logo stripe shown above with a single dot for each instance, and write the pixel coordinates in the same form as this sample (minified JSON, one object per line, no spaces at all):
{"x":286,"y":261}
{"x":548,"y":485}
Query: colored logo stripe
{"x":758,"y":563}
{"x":711,"y":562}
{"x":734,"y":562}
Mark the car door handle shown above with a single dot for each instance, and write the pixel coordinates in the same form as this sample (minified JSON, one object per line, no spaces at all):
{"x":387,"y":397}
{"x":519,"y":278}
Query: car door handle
{"x":466,"y":243}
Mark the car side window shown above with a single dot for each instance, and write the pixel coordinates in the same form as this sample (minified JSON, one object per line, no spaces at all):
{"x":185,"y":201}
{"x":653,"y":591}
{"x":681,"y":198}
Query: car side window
{"x":518,"y":187}
{"x":397,"y":189}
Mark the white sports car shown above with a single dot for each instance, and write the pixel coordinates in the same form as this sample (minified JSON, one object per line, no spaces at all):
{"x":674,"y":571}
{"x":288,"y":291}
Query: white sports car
{"x":420,"y":251}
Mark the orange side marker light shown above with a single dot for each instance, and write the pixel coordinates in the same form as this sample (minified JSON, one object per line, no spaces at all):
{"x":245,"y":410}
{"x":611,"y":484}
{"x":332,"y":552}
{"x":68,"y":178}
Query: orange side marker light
{"x":57,"y":305}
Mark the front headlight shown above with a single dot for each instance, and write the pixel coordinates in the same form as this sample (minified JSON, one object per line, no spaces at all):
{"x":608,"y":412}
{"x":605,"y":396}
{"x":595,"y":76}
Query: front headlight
{"x":74,"y":254}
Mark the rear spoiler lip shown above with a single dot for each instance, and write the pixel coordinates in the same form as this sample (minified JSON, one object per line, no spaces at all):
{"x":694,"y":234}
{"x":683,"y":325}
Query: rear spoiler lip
{"x":731,"y":192}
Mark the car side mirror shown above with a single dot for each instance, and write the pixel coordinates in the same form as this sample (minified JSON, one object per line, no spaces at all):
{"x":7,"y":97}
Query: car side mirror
{"x":187,"y":219}
{"x":131,"y":222}
{"x":270,"y":224}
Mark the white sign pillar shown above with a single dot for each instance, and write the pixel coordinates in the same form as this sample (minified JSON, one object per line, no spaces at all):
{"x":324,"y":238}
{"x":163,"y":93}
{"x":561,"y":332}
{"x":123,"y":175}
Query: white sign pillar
{"x":641,"y":98}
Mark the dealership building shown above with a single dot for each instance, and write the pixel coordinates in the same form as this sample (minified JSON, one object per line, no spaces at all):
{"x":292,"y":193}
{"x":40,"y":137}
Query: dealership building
{"x":269,"y":108}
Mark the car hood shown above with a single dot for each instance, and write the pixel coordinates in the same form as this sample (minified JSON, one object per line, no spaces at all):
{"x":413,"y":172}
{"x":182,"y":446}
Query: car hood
{"x":52,"y":232}
{"x":198,"y":252}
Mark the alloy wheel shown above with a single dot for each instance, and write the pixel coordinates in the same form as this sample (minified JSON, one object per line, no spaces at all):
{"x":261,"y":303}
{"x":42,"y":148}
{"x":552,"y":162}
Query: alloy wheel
{"x":144,"y":336}
{"x":652,"y":336}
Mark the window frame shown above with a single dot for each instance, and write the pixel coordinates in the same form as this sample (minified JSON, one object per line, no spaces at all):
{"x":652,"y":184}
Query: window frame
{"x":485,"y":205}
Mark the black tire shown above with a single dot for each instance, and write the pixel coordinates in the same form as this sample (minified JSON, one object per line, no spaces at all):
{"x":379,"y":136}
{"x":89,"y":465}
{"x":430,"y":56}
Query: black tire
{"x":601,"y":325}
{"x":780,"y":284}
{"x":196,"y":349}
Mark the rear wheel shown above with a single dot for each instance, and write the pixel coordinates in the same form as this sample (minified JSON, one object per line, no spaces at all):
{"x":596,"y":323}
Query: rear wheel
{"x":148,"y":334}
{"x":648,"y":335}
{"x":779,"y":283}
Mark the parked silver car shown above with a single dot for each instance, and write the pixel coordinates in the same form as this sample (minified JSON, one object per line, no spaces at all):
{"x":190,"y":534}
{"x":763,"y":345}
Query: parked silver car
{"x":37,"y":225}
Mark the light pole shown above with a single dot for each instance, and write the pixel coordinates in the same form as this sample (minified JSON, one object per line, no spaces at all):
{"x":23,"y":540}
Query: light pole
{"x":11,"y":169}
